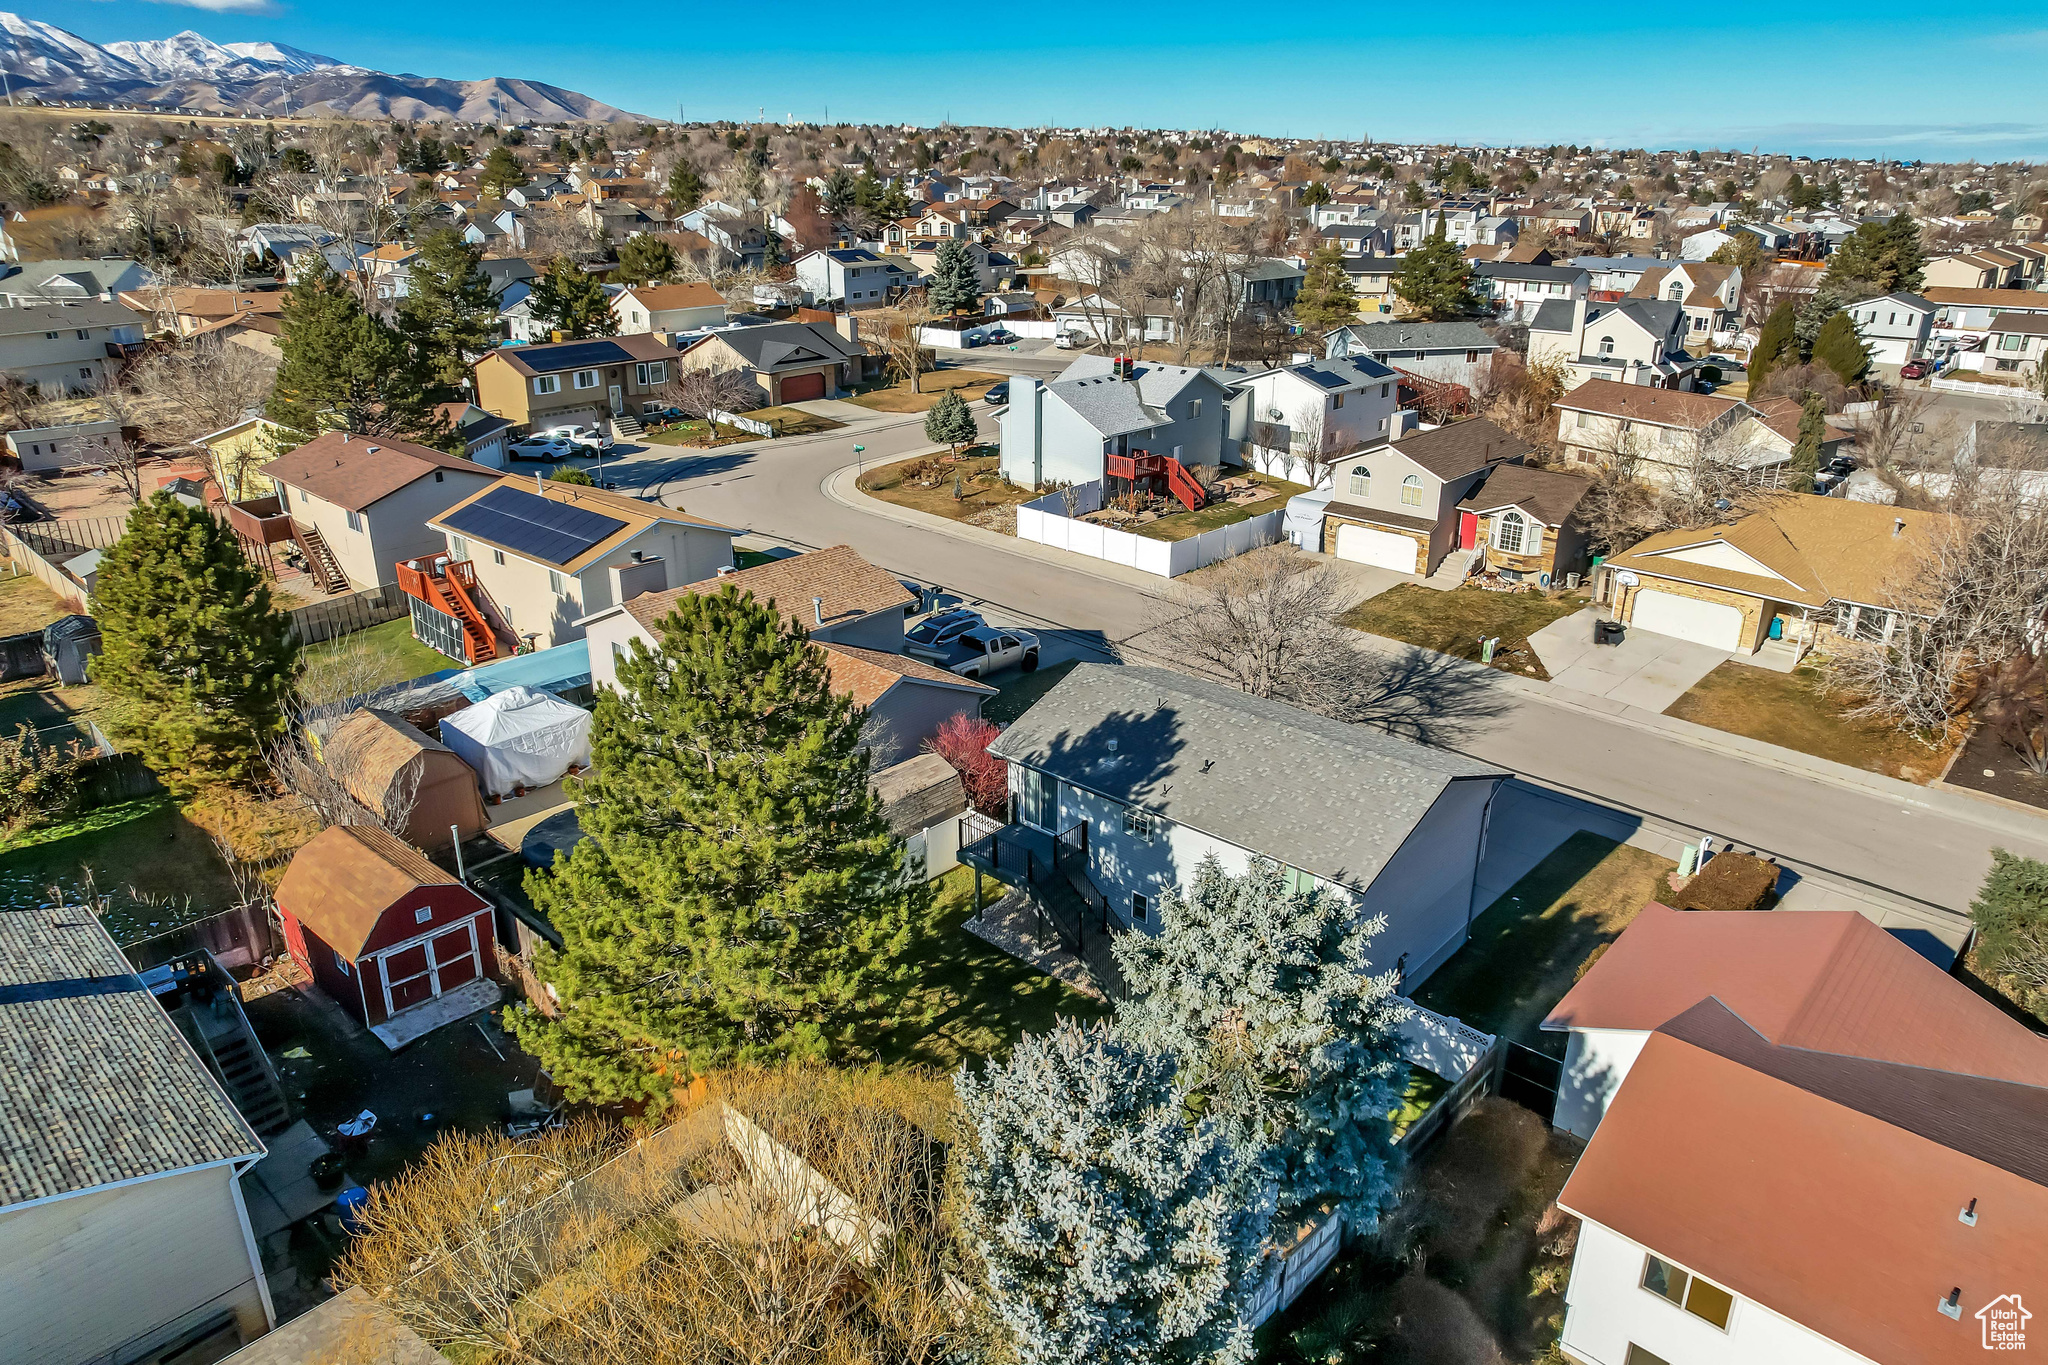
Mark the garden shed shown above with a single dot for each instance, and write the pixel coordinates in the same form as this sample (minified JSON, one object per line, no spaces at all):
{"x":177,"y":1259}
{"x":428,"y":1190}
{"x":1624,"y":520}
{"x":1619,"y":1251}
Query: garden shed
{"x":397,"y":942}
{"x":382,"y":761}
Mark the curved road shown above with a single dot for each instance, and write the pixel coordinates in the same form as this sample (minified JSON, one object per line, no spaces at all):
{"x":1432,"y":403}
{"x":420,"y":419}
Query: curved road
{"x":1933,"y":846}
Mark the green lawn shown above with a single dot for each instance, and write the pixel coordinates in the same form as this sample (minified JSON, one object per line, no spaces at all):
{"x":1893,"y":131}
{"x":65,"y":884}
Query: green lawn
{"x":1792,"y":711}
{"x":42,"y":705}
{"x":930,"y":489}
{"x":984,"y":999}
{"x":159,"y":868}
{"x":397,"y":657}
{"x":1425,"y":1088}
{"x":1020,"y":690}
{"x":1186,"y":525}
{"x":1526,"y":949}
{"x":1455,"y":622}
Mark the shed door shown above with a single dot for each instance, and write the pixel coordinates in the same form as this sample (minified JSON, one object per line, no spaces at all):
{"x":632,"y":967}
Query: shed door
{"x":420,"y":971}
{"x":1383,"y":549}
{"x":799,"y":387}
{"x":1715,"y":624}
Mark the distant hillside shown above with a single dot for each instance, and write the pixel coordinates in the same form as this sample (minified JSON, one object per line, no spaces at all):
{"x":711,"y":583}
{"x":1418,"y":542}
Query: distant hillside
{"x":193,"y":72}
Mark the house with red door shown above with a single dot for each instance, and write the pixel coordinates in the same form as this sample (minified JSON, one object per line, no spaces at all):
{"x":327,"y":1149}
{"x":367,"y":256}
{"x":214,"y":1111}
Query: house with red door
{"x":1397,"y":505}
{"x":397,"y":942}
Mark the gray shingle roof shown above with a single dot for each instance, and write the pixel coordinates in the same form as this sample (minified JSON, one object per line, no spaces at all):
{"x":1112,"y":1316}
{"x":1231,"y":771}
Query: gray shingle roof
{"x":780,"y":344}
{"x":1334,"y":799}
{"x":1114,"y":407}
{"x":96,"y":1083}
{"x":1418,"y":336}
{"x":1554,"y":316}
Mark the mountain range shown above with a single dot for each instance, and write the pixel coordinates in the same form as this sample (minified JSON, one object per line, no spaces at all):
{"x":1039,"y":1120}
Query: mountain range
{"x":189,"y":71}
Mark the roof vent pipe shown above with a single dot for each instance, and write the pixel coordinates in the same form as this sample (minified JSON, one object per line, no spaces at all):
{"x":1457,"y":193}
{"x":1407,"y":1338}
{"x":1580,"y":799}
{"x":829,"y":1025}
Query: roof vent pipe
{"x":1898,"y":526}
{"x":818,"y":610}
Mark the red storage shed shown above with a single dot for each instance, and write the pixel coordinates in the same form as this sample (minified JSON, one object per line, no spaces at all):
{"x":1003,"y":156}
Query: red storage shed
{"x":381,"y":929}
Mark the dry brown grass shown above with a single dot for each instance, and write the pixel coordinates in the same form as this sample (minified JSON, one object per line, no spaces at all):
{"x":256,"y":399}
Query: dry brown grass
{"x":25,"y":604}
{"x":972,"y":384}
{"x":1792,"y":711}
{"x":904,"y":485}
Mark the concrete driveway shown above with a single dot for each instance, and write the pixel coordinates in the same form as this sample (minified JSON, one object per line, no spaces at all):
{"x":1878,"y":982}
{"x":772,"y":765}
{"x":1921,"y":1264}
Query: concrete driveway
{"x":1646,"y":669}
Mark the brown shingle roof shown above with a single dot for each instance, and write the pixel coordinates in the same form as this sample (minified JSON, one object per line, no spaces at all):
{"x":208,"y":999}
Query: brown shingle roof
{"x":849,"y":586}
{"x":1641,"y":403}
{"x":659,"y":298}
{"x":1546,"y":494}
{"x":865,"y":674}
{"x":1462,"y":447}
{"x":2032,"y":302}
{"x":341,"y":883}
{"x":355,"y":471}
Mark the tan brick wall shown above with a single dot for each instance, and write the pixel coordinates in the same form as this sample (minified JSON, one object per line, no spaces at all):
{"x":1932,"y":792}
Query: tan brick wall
{"x":1421,"y":538}
{"x":1756,"y":614}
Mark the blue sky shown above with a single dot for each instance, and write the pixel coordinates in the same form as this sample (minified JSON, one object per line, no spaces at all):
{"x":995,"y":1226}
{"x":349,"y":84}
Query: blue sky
{"x":1939,"y":80}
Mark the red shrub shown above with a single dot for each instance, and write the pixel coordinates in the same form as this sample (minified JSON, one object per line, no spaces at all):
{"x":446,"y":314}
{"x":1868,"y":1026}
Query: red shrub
{"x":963,"y":742}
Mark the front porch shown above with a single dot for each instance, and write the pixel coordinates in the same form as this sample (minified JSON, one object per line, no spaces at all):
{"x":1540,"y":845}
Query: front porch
{"x":1063,"y":913}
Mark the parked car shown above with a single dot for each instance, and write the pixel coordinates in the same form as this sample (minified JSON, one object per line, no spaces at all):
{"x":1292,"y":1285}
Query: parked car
{"x":1000,"y":336}
{"x":589,"y":438}
{"x":547,"y":449}
{"x":997,"y":395}
{"x":982,"y":650}
{"x":1842,"y":466}
{"x":943,"y":628}
{"x":1916,"y":369}
{"x":1071,"y":341}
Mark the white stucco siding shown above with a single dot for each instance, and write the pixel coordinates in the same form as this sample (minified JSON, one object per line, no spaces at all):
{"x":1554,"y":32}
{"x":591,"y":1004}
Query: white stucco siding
{"x":1595,"y":1062}
{"x":1607,"y":1310}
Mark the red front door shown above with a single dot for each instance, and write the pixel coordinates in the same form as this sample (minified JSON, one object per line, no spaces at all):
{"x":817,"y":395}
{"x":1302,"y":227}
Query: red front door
{"x":1468,"y":530}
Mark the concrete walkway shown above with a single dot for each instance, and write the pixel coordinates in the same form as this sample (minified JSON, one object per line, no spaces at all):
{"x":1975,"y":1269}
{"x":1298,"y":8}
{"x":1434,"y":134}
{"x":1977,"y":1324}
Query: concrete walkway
{"x":1645,"y":670}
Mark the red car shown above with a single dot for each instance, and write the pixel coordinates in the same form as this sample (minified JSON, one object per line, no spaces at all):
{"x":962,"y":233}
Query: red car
{"x":1916,"y":369}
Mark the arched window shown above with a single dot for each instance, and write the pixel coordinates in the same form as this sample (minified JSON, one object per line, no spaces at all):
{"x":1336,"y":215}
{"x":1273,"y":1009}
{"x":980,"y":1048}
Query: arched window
{"x":1508,"y":535}
{"x":1361,"y":481}
{"x":1411,"y":491}
{"x":1676,"y":293}
{"x":1606,"y":345}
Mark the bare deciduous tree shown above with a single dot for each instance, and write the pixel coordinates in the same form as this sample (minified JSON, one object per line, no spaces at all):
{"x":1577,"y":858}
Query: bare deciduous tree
{"x":900,"y":332}
{"x":204,"y":386}
{"x":702,"y":390}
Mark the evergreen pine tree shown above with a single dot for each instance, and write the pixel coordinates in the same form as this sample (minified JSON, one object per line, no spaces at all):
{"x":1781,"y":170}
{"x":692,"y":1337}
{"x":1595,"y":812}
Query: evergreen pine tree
{"x":341,"y":367}
{"x":1270,"y":1001}
{"x":1327,"y":298}
{"x":955,"y":285}
{"x":645,"y":259}
{"x":572,"y":302}
{"x":1110,"y":1228}
{"x":685,"y":187}
{"x":1799,"y":474}
{"x":501,"y":172}
{"x":1878,"y":258}
{"x":1840,"y":349}
{"x":1435,"y":280}
{"x":191,"y":642}
{"x":838,"y":198}
{"x":951,"y":422}
{"x":1775,"y":345}
{"x":448,"y":313}
{"x":737,"y":894}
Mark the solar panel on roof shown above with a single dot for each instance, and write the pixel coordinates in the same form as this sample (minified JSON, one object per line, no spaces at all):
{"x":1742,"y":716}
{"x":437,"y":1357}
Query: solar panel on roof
{"x":554,"y":532}
{"x":570,"y":355}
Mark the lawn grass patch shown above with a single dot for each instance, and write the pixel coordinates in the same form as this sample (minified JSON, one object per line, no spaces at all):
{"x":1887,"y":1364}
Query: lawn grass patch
{"x":399,"y":657}
{"x":1185,"y":525}
{"x":1792,"y":711}
{"x":984,"y":999}
{"x":45,"y":706}
{"x":1526,"y":949}
{"x":1023,"y":689}
{"x":25,"y":604}
{"x":789,"y":421}
{"x":157,"y":867}
{"x":981,"y":487}
{"x":698,"y":434}
{"x":1455,"y":622}
{"x":897,"y":397}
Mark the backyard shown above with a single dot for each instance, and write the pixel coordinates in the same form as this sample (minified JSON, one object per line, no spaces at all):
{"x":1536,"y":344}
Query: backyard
{"x":25,"y":604}
{"x":1455,"y":622}
{"x":1792,"y":710}
{"x":1529,"y":946}
{"x":926,"y":484}
{"x":1184,"y":525}
{"x":1019,"y":690}
{"x":897,"y":397}
{"x":384,"y":654}
{"x":158,"y":869}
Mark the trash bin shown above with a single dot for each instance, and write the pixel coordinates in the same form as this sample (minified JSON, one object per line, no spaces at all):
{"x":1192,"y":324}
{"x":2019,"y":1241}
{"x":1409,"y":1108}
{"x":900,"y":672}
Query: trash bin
{"x":1607,"y":632}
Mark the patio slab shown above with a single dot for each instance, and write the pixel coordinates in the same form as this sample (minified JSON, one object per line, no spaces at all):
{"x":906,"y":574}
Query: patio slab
{"x":451,"y":1007}
{"x":1645,"y":670}
{"x":279,"y":1190}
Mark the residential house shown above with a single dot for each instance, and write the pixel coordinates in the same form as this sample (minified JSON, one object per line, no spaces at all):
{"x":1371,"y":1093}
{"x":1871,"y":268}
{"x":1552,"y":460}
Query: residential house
{"x":188,"y":312}
{"x":571,"y":383}
{"x":1372,"y":280}
{"x":121,"y":1217}
{"x":1059,"y":432}
{"x":1710,"y":294}
{"x":671,"y":308}
{"x":1149,"y":771}
{"x":850,"y":276}
{"x":1659,"y":435}
{"x":2015,"y":347}
{"x":33,"y":283}
{"x":369,"y":500}
{"x":235,"y":455}
{"x":791,"y":361}
{"x":1614,"y":276}
{"x":1516,"y":291}
{"x":1526,"y":523}
{"x":992,"y":268}
{"x":382,"y":931}
{"x":1447,"y":352}
{"x":1311,"y":413}
{"x":1894,"y":328}
{"x":1965,"y":315}
{"x":1786,"y":577}
{"x":485,"y":435}
{"x":1265,"y":286}
{"x":736,"y":235}
{"x":1396,"y":506}
{"x":1808,"y":1144}
{"x":1560,"y":220}
{"x":851,"y":610}
{"x":1637,"y":341}
{"x":68,"y":347}
{"x":1988,"y":269}
{"x":543,"y":556}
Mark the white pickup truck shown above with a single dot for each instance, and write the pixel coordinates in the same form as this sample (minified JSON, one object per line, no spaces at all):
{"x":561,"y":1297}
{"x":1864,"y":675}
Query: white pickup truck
{"x":981,"y":651}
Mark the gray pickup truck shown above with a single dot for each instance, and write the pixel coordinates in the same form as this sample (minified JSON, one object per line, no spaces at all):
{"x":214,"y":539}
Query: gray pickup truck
{"x":980,"y":651}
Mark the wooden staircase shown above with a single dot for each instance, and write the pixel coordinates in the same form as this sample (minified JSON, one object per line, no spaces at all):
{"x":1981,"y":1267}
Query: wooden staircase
{"x":320,"y":560}
{"x":450,"y":587}
{"x":220,"y":1033}
{"x":1165,"y":469}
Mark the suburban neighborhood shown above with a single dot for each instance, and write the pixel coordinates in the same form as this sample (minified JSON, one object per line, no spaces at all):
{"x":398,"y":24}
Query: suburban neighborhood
{"x":738,"y":738}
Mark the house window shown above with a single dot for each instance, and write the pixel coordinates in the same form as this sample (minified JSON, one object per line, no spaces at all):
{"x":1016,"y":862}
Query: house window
{"x":1361,"y":481}
{"x":440,"y":476}
{"x":1141,"y":909}
{"x":84,"y":334}
{"x":1337,"y":402}
{"x":1606,"y":345}
{"x":1707,"y":1302}
{"x":49,"y":336}
{"x":421,"y":916}
{"x":1508,"y":535}
{"x":584,"y":379}
{"x":1471,"y":357}
{"x":1638,"y":1356}
{"x":1411,"y":491}
{"x":1581,"y":420}
{"x":458,"y":548}
{"x":355,"y":521}
{"x":555,"y":584}
{"x":497,"y":556}
{"x":1138,"y":825}
{"x":1296,"y":882}
{"x":1385,"y":390}
{"x":1195,"y":407}
{"x":341,"y":963}
{"x":650,"y":373}
{"x":547,"y":383}
{"x":1675,"y":293}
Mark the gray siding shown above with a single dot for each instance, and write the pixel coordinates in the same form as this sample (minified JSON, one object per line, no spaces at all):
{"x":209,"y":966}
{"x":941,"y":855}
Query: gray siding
{"x":910,"y":713}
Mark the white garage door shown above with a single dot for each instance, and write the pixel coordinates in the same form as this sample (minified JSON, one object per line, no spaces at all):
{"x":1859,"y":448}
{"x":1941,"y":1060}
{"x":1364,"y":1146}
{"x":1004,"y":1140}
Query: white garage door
{"x":1706,"y":623}
{"x":1384,"y":549}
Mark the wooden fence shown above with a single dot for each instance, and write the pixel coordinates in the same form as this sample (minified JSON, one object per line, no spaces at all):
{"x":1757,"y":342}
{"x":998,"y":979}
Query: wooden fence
{"x":340,"y":616}
{"x":239,"y":937}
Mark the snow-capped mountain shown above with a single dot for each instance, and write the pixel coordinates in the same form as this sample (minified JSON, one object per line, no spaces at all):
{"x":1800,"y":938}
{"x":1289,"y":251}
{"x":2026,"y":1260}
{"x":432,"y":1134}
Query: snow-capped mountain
{"x":194,"y":72}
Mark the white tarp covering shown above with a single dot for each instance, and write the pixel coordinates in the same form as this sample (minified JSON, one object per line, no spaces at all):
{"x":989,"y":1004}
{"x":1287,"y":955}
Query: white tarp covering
{"x":519,"y":737}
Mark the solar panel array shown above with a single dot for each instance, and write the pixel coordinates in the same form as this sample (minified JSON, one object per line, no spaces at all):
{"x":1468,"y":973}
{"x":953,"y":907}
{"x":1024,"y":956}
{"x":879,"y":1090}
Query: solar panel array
{"x":577,"y":355}
{"x":554,"y":532}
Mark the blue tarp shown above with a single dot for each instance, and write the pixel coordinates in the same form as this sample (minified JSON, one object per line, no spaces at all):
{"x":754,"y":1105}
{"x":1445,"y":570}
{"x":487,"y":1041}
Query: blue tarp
{"x":547,"y":670}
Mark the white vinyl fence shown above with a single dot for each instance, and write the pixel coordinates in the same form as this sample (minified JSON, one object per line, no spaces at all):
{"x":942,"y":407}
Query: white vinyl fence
{"x":1023,"y":327}
{"x":1045,"y":522}
{"x":2010,"y":392}
{"x":733,"y":419}
{"x":1439,"y":1043}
